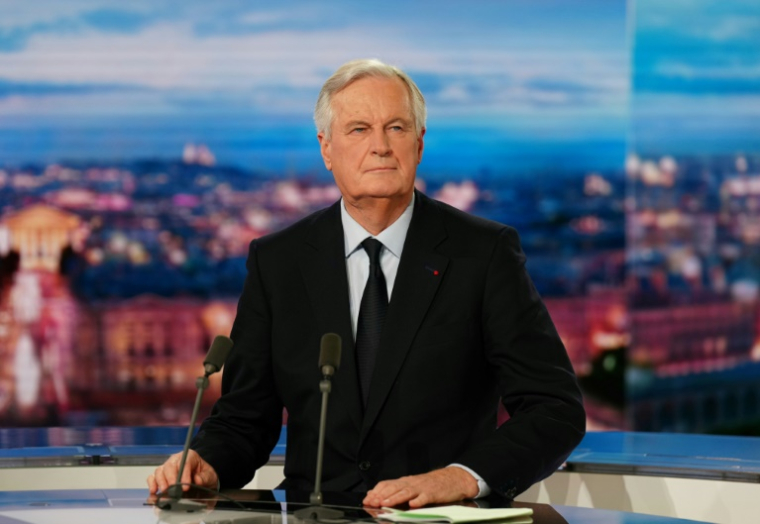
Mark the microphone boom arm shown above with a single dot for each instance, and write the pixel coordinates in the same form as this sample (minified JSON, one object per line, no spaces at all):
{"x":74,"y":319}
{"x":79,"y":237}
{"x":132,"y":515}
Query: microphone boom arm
{"x":201,"y":383}
{"x":325,"y":386}
{"x":329,"y":360}
{"x":214,"y":361}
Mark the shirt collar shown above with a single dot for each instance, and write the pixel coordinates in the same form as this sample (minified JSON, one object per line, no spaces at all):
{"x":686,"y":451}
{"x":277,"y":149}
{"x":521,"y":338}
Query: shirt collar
{"x":392,"y":237}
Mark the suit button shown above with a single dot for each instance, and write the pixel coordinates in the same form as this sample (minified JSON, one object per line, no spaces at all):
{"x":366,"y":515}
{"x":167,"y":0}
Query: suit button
{"x":364,"y":465}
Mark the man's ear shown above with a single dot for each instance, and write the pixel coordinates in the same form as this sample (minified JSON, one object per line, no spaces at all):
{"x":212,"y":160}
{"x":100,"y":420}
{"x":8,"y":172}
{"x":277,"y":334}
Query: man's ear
{"x":325,"y":149}
{"x":420,"y":145}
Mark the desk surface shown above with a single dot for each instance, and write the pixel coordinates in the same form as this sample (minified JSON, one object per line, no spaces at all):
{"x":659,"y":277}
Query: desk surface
{"x":612,"y":452}
{"x":668,"y":454}
{"x":118,"y":506}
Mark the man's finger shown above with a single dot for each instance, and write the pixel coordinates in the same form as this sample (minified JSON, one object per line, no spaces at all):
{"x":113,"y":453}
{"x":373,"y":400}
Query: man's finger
{"x":167,"y":474}
{"x":390,"y":493}
{"x":160,"y":478}
{"x":373,"y":497}
{"x":187,"y":474}
{"x":423,"y":499}
{"x":152,"y":486}
{"x":199,"y":479}
{"x":388,"y":487}
{"x":206,"y":479}
{"x":403,"y":494}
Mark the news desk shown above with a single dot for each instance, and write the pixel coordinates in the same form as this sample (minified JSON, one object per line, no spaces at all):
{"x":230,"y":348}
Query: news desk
{"x":700,"y":477}
{"x":618,"y":452}
{"x":116,"y":506}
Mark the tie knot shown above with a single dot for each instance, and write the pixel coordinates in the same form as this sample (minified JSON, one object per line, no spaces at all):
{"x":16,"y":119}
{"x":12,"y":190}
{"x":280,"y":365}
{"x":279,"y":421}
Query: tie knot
{"x":373,"y":247}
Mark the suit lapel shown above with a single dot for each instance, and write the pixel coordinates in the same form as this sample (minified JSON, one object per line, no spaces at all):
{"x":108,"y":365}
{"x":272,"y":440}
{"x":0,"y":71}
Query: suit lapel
{"x":323,"y":267}
{"x":420,"y":272}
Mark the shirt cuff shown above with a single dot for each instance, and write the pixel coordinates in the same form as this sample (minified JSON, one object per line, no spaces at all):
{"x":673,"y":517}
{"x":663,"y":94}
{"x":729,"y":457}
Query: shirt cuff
{"x":483,"y":489}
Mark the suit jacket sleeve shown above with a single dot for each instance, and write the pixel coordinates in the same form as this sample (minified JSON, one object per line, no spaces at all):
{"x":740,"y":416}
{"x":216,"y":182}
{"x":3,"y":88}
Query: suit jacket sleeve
{"x":245,"y":423}
{"x":535,"y":378}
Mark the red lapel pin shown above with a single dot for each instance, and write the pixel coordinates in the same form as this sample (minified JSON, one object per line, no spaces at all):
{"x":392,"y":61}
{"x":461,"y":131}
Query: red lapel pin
{"x":433,"y":271}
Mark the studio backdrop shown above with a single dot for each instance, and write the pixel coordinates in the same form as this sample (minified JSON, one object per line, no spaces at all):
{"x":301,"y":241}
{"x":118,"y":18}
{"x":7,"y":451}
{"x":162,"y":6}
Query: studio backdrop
{"x":144,"y":144}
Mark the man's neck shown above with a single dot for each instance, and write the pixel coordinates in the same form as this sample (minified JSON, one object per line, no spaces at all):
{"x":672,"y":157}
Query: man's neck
{"x":376,"y":214}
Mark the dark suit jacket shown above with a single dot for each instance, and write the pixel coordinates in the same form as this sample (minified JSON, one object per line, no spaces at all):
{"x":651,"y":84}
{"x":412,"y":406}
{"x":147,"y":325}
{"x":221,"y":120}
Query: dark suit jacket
{"x":465,"y":327}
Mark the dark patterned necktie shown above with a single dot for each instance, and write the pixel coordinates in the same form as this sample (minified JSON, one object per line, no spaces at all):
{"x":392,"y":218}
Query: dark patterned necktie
{"x":371,"y":316}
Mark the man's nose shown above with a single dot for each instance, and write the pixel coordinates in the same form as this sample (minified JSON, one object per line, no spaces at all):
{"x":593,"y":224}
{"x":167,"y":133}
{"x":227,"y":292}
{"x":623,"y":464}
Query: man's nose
{"x":381,"y":144}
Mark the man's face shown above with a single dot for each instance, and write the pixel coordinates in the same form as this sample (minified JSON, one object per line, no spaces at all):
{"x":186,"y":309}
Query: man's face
{"x":373,"y":150}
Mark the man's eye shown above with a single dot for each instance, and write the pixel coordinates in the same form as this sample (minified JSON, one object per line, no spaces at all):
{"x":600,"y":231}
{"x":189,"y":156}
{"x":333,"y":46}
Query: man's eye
{"x":397,"y":128}
{"x":358,"y":130}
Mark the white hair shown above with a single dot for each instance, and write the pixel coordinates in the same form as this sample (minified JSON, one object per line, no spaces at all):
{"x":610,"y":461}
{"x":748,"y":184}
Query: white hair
{"x":351,"y":72}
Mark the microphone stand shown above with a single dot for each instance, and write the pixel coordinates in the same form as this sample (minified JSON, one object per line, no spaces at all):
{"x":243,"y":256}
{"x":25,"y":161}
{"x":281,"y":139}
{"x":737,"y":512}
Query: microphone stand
{"x":213,"y":362}
{"x":317,"y":511}
{"x":174,"y":502}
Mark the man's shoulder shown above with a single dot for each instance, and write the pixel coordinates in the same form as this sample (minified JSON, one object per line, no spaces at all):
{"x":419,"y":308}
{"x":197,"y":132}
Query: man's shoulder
{"x":300,"y":231}
{"x":466,"y":226}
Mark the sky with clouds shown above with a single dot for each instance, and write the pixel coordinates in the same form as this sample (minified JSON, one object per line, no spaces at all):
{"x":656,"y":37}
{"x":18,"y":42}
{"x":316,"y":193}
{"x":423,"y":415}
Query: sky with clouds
{"x":511,"y":85}
{"x":696,"y":77}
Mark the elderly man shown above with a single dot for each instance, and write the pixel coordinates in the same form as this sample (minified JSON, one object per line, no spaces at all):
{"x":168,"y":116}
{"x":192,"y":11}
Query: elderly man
{"x":439,"y":320}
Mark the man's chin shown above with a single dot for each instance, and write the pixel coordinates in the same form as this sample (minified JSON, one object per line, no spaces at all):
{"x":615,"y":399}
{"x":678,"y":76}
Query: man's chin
{"x":385,"y":195}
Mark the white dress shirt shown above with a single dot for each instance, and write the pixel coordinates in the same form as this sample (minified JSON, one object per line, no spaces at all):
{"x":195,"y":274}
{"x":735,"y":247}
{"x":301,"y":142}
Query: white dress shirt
{"x":357,"y":260}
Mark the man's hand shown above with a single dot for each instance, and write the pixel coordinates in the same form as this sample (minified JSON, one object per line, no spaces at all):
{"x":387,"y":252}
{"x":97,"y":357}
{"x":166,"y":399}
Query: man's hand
{"x":197,"y":471}
{"x":440,"y":486}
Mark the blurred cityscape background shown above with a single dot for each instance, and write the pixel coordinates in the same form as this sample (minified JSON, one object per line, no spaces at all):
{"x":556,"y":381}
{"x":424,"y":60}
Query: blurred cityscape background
{"x":144,"y":145}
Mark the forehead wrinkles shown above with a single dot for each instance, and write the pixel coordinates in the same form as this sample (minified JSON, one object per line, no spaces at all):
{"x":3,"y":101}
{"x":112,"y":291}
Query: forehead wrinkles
{"x":367,"y":101}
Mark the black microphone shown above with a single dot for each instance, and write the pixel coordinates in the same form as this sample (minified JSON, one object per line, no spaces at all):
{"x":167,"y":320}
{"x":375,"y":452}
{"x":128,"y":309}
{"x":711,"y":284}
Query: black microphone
{"x":217,"y":354}
{"x":329,"y":354}
{"x":213,"y":362}
{"x":329,"y":362}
